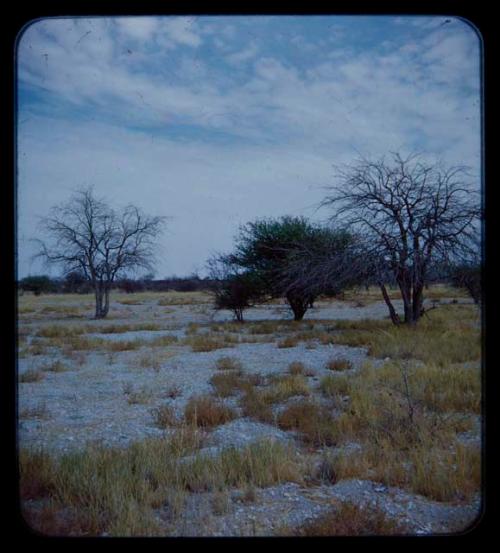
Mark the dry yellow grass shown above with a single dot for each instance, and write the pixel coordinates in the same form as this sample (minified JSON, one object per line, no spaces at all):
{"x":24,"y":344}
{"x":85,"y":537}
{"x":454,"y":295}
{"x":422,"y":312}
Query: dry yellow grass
{"x":296,"y":368}
{"x":201,"y":343}
{"x":255,"y":404}
{"x":61,"y":310}
{"x":288,"y":342}
{"x":56,"y":367}
{"x":265,"y":327}
{"x":206,"y":412}
{"x":229,"y":383}
{"x":339,"y":365}
{"x":228,"y":363}
{"x":150,"y":359}
{"x":60,"y":331}
{"x":283,"y":387}
{"x":140,"y":397}
{"x":164,"y":417}
{"x":115,"y":490}
{"x":404,"y":415}
{"x":184,"y":298}
{"x":313,"y":421}
{"x":121,"y":328}
{"x":35,"y":348}
{"x":31,"y":375}
{"x":348,"y":519}
{"x":373,"y":294}
{"x":335,"y":386}
{"x":38,"y":411}
{"x":449,"y":334}
{"x":439,"y":473}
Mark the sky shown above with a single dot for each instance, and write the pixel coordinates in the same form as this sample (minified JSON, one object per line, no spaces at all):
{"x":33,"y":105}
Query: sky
{"x":215,"y":121}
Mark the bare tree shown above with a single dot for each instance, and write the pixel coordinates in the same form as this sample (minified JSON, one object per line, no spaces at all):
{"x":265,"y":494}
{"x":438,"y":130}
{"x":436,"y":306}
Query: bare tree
{"x":87,"y":235}
{"x":411,"y":214}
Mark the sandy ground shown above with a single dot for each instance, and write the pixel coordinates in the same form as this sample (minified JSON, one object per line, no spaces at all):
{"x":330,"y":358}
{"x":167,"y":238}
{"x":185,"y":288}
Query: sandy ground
{"x":88,"y":403}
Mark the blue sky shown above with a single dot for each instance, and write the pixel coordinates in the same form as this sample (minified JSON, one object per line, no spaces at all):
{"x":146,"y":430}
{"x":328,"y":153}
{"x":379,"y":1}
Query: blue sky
{"x":214,"y":121}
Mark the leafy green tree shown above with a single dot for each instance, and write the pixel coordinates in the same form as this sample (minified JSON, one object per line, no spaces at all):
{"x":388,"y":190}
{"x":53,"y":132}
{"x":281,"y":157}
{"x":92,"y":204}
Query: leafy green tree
{"x":276,"y":253}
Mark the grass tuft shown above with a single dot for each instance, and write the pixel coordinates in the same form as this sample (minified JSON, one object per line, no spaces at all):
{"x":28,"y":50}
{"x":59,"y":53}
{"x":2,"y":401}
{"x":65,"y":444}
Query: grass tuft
{"x":140,"y":397}
{"x":449,"y":334}
{"x":165,"y":417}
{"x":201,"y":343}
{"x":312,"y":421}
{"x":38,"y":411}
{"x":228,"y":383}
{"x":296,"y":368}
{"x":288,"y":342}
{"x":207,"y":412}
{"x":349,"y":520}
{"x":56,"y":367}
{"x":339,"y":365}
{"x":31,"y":375}
{"x":284,"y":387}
{"x":228,"y":363}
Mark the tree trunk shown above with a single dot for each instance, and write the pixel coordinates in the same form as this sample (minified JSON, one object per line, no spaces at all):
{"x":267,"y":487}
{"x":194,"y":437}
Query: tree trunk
{"x":405,"y":287}
{"x":105,"y":308}
{"x":418,"y":303}
{"x":101,"y":300}
{"x":98,"y":301}
{"x":298,"y":305}
{"x":238,"y":314}
{"x":392,"y":312}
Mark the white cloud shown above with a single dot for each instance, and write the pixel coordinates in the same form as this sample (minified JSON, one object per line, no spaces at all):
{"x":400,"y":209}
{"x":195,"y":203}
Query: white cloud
{"x":208,"y":190}
{"x":180,"y":30}
{"x":138,"y":28}
{"x":294,"y":121}
{"x":246,"y":54}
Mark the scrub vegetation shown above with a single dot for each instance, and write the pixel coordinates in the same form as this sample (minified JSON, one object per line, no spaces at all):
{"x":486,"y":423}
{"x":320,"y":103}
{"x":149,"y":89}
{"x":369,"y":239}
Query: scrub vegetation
{"x":406,"y":409}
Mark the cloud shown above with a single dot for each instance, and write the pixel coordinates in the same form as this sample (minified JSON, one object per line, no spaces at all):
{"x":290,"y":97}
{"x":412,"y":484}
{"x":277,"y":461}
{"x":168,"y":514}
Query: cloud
{"x":246,"y":54}
{"x":179,"y":30}
{"x":152,"y":109}
{"x":138,"y":28}
{"x":207,"y":190}
{"x":362,"y":98}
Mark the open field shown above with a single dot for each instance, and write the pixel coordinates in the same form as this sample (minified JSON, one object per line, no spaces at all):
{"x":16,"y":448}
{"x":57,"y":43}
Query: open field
{"x":170,"y":419}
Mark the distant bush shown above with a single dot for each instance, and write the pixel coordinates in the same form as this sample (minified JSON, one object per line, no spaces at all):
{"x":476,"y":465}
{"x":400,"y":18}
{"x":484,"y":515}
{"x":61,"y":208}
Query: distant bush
{"x":39,"y":284}
{"x":75,"y":283}
{"x":192,"y":283}
{"x":130,"y":286}
{"x":468,"y":276}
